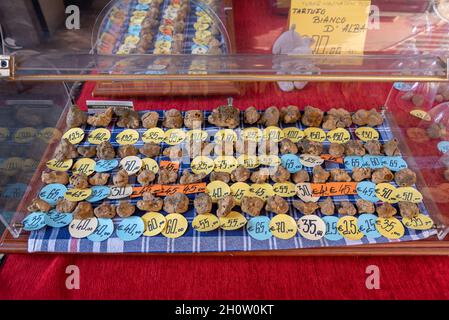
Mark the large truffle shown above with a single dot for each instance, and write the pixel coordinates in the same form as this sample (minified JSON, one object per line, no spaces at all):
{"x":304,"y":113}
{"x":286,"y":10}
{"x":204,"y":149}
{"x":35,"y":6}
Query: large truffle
{"x":370,"y":118}
{"x":290,"y":114}
{"x":320,"y":175}
{"x":105,"y":211}
{"x":225,"y":206}
{"x":65,"y":206}
{"x":127,"y":151}
{"x":65,"y":150}
{"x":277,"y":205}
{"x":105,"y":151}
{"x":172,"y":119}
{"x":203,"y":203}
{"x":151,"y":150}
{"x":240,"y":174}
{"x":76,"y":117}
{"x":280,"y":175}
{"x":101,"y":119}
{"x":177,"y":203}
{"x":83,"y":211}
{"x":125,"y":209}
{"x":386,"y":210}
{"x":382,"y":175}
{"x":312,"y":117}
{"x":337,"y":118}
{"x":225,"y":116}
{"x":270,"y":117}
{"x":193,"y":119}
{"x":252,"y":116}
{"x":306,"y":208}
{"x":55,"y":177}
{"x":327,"y":207}
{"x":40,"y":205}
{"x":252,"y":205}
{"x":405,"y":178}
{"x":150,"y":120}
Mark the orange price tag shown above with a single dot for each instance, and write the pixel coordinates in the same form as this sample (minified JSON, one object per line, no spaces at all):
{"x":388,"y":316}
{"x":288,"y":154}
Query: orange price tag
{"x":183,"y":188}
{"x":139,"y":191}
{"x":331,"y":189}
{"x":328,"y":157}
{"x":169,"y":165}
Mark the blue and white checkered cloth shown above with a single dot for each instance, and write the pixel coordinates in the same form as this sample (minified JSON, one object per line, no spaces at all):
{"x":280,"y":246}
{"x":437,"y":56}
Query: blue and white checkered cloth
{"x":59,"y":240}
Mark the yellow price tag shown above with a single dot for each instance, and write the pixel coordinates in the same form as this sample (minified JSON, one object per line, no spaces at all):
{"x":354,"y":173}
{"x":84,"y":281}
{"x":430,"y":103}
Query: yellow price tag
{"x":77,"y":195}
{"x":273,"y":134}
{"x":154,"y":223}
{"x":311,"y":227}
{"x":174,"y":136}
{"x":202,"y":164}
{"x":218,"y":190}
{"x":420,"y":222}
{"x":98,"y":136}
{"x":205,"y":222}
{"x":284,"y":189}
{"x":84,"y":165}
{"x":339,"y":135}
{"x":270,"y":160}
{"x":421,"y":114}
{"x":283,"y":226}
{"x":4,"y":134}
{"x":239,"y":190}
{"x":25,"y":135}
{"x":294,"y":134}
{"x":233,"y":221}
{"x":250,"y":162}
{"x":315,"y":134}
{"x":263,"y":191}
{"x":154,"y":135}
{"x":150,"y":164}
{"x":57,"y":165}
{"x":225,"y":164}
{"x":367,"y":134}
{"x":226,"y":135}
{"x":176,"y":226}
{"x":49,"y":135}
{"x":348,"y":227}
{"x":251,"y":134}
{"x":390,"y":228}
{"x":386,"y":192}
{"x":408,"y":194}
{"x":127,"y":137}
{"x":197,"y":135}
{"x":74,"y":135}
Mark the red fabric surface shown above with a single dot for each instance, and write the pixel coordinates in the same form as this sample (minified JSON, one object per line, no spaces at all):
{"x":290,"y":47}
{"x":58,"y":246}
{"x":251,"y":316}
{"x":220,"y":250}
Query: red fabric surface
{"x":168,"y":277}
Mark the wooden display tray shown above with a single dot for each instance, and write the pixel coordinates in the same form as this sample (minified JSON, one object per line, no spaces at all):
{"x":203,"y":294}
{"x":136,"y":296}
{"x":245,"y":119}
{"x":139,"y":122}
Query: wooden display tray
{"x":175,"y":88}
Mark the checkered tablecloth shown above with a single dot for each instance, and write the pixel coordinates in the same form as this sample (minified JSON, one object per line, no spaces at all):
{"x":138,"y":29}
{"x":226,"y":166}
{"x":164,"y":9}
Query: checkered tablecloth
{"x":59,"y":240}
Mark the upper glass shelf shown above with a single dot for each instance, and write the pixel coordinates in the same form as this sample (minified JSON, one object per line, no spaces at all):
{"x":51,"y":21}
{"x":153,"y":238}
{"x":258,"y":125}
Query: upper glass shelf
{"x":215,"y":40}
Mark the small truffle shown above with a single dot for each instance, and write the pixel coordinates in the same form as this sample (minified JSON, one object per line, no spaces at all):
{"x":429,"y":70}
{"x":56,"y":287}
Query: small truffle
{"x":225,"y":116}
{"x":79,"y":181}
{"x":188,"y":177}
{"x":287,"y":146}
{"x":252,"y":205}
{"x":146,"y":177}
{"x":65,"y":150}
{"x":83,"y":211}
{"x":193,"y":119}
{"x":312,"y":117}
{"x":340,"y":175}
{"x":177,"y":203}
{"x":151,"y":150}
{"x":240,"y":174}
{"x":121,"y":179}
{"x":320,"y":175}
{"x":354,"y":148}
{"x":105,"y":151}
{"x":405,"y":178}
{"x":386,"y":210}
{"x":127,"y":151}
{"x":87,"y":152}
{"x":105,"y":211}
{"x":55,"y":177}
{"x":374,"y":147}
{"x":65,"y":206}
{"x":360,"y":174}
{"x":99,"y":179}
{"x":172,"y":119}
{"x":76,"y":117}
{"x":252,"y":116}
{"x":306,"y":208}
{"x":391,"y":148}
{"x":277,"y":205}
{"x":436,"y":131}
{"x":270,"y":117}
{"x":327,"y":206}
{"x":128,"y":119}
{"x":260,"y":176}
{"x":40,"y":205}
{"x":220,"y":176}
{"x":347,"y":208}
{"x":382,"y":175}
{"x":280,"y":175}
{"x":101,"y":119}
{"x":290,"y":114}
{"x":364,"y":206}
{"x":150,"y":203}
{"x":408,"y":209}
{"x":337,"y":150}
{"x":311,"y":147}
{"x":150,"y":120}
{"x":202,"y":203}
{"x":166,"y":176}
{"x":125,"y":209}
{"x":301,"y":176}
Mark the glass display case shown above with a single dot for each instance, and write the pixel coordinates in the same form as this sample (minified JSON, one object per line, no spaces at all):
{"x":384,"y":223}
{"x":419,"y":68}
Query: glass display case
{"x":224,"y":127}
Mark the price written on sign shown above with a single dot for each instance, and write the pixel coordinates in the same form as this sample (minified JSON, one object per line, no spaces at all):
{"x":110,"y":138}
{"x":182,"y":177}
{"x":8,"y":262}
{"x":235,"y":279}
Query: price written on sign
{"x":367,"y":191}
{"x":420,"y":222}
{"x":139,"y":191}
{"x":25,"y":135}
{"x":339,"y":135}
{"x":311,"y":227}
{"x":120,"y":192}
{"x":315,"y":134}
{"x":77,"y":195}
{"x":390,"y":228}
{"x":291,"y":162}
{"x":226,"y":135}
{"x":154,"y":223}
{"x":239,"y":190}
{"x":51,"y":193}
{"x":269,"y":160}
{"x":202,"y":165}
{"x":49,"y":135}
{"x":103,"y":231}
{"x":85,"y":165}
{"x":182,"y":188}
{"x":79,"y":229}
{"x":332,"y":233}
{"x":367,"y":225}
{"x":305,"y":192}
{"x":169,"y":165}
{"x":233,"y":221}
{"x":274,"y":134}
{"x":106,"y":165}
{"x":421,"y":114}
{"x":174,"y":136}
{"x":348,"y":228}
{"x":262,"y":190}
{"x":284,"y":189}
{"x":130,"y":229}
{"x":176,"y":226}
{"x":367,"y":134}
{"x":74,"y":135}
{"x":61,"y":166}
{"x":250,"y":162}
{"x":150,"y":164}
{"x":283,"y":226}
{"x":127,"y":137}
{"x":330,"y":158}
{"x":218,"y":190}
{"x":98,"y":136}
{"x":386,"y":192}
{"x":197,"y":135}
{"x":332,"y":189}
{"x":294,"y":134}
{"x":154,"y":135}
{"x":131,"y":164}
{"x":58,"y":220}
{"x":310,"y":161}
{"x":225,"y":164}
{"x":34,"y":221}
{"x":205,"y":222}
{"x":251,"y":134}
{"x":259,"y":228}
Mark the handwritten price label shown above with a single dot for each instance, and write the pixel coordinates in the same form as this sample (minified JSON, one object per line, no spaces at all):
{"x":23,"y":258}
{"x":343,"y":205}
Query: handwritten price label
{"x":310,"y":161}
{"x":332,"y":233}
{"x":154,"y":223}
{"x":154,"y":135}
{"x":197,"y":135}
{"x":284,"y":189}
{"x":176,"y":226}
{"x":34,"y":221}
{"x":205,"y":222}
{"x":332,"y":189}
{"x":150,"y":164}
{"x":61,"y":166}
{"x":348,"y":228}
{"x":328,"y":157}
{"x":84,"y":165}
{"x":390,"y":228}
{"x":25,"y":135}
{"x":315,"y":134}
{"x":103,"y":231}
{"x":120,"y":192}
{"x":420,"y":222}
{"x":226,"y":135}
{"x":49,"y":135}
{"x":202,"y":164}
{"x":127,"y":137}
{"x":174,"y":136}
{"x":233,"y":221}
{"x":305,"y":192}
{"x":274,"y":134}
{"x":283,"y":226}
{"x":293,"y":134}
{"x":130,"y":228}
{"x":408,"y":194}
{"x":98,"y":136}
{"x":263,"y":191}
{"x":367,"y":191}
{"x":182,"y":188}
{"x":251,"y":134}
{"x":250,"y":162}
{"x":131,"y":164}
{"x":367,"y":134}
{"x":270,"y":160}
{"x":367,"y":224}
{"x":106,"y":165}
{"x":259,"y":228}
{"x":139,"y":191}
{"x":169,"y":165}
{"x":311,"y":227}
{"x":239,"y":190}
{"x":77,"y":195}
{"x":52,"y":193}
{"x":339,"y":135}
{"x":58,"y":220}
{"x":421,"y":114}
{"x":74,"y":135}
{"x":218,"y":190}
{"x":225,"y":164}
{"x":291,"y":162}
{"x":386,"y":193}
{"x":99,"y":193}
{"x":80,"y":229}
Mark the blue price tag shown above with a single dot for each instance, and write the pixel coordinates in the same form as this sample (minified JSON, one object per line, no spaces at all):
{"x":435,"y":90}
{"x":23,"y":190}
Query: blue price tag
{"x":443,"y":146}
{"x":373,"y":162}
{"x":394,"y":163}
{"x":99,"y":193}
{"x":142,"y":7}
{"x":106,"y":165}
{"x":34,"y":221}
{"x":332,"y":233}
{"x":130,"y":229}
{"x":164,"y":38}
{"x":291,"y":163}
{"x":135,"y":30}
{"x":104,"y":230}
{"x":367,"y":191}
{"x":259,"y":228}
{"x":353,"y":162}
{"x":58,"y":220}
{"x":367,"y":225}
{"x":52,"y":193}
